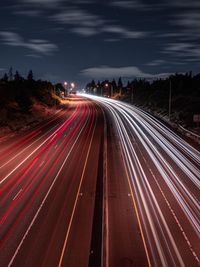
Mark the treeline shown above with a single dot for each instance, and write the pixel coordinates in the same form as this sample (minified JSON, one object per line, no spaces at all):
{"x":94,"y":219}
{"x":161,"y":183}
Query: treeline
{"x":22,"y":90}
{"x":155,"y":95}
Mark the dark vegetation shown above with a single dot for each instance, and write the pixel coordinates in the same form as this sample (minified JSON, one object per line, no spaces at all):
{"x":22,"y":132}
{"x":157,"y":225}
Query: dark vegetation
{"x":18,"y":95}
{"x":154,"y":95}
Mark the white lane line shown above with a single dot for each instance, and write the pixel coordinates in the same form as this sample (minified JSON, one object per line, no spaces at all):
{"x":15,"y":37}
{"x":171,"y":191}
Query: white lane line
{"x":44,"y":199}
{"x":17,"y":194}
{"x":105,"y":219}
{"x":27,"y":147}
{"x":11,"y":172}
{"x":76,"y":200}
{"x":42,"y":163}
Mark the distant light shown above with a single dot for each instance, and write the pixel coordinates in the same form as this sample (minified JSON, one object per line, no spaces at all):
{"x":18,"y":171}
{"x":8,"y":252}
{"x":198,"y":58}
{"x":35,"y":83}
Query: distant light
{"x":65,"y":83}
{"x":72,"y":85}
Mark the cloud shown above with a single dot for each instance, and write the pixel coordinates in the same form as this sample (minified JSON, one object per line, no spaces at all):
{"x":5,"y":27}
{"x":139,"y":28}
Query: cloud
{"x":28,"y":13}
{"x":127,"y":4}
{"x":156,"y":62}
{"x":43,"y":2}
{"x":85,"y":31}
{"x":75,"y":16}
{"x":33,"y":55}
{"x":104,"y":72}
{"x":185,"y":51}
{"x":185,"y":3}
{"x":189,"y":23}
{"x":87,"y":24}
{"x":124,"y":32}
{"x":40,"y":46}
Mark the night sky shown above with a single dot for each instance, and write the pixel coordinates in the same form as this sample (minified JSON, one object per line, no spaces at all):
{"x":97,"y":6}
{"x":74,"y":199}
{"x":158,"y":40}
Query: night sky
{"x":79,"y":40}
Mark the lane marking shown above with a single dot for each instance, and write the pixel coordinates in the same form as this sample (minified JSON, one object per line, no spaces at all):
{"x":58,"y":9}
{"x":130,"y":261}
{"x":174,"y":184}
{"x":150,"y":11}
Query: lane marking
{"x":105,"y":219}
{"x":137,"y":215}
{"x":44,"y":199}
{"x":76,"y":201}
{"x":17,"y":194}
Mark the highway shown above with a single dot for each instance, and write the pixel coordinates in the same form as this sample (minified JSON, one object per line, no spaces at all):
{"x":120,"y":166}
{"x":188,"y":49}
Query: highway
{"x":100,"y":183}
{"x":163,"y":174}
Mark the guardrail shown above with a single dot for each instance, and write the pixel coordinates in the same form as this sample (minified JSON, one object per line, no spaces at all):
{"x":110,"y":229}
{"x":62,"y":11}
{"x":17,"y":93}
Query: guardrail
{"x":191,"y":134}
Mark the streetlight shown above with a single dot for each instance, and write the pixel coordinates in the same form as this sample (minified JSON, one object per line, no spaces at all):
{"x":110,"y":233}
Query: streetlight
{"x":65,"y":86}
{"x":111,"y":89}
{"x":106,"y":85}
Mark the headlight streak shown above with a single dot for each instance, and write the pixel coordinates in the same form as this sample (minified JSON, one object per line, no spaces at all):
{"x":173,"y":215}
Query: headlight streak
{"x":127,"y":117}
{"x":157,"y":157}
{"x":137,"y":168}
{"x":180,"y":160}
{"x":187,"y":148}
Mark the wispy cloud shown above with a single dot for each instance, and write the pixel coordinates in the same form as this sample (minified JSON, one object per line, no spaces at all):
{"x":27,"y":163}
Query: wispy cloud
{"x":156,"y":62}
{"x":40,"y":46}
{"x":123,"y":32}
{"x":183,"y":41}
{"x":85,"y":31}
{"x":184,"y":3}
{"x":75,"y":16}
{"x":33,"y":56}
{"x":127,"y":4}
{"x":43,"y":2}
{"x":184,"y":51}
{"x":87,"y":24}
{"x":189,"y":23}
{"x":28,"y":13}
{"x":104,"y":72}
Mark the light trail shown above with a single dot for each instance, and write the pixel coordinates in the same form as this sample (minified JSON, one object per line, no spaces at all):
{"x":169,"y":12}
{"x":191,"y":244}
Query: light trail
{"x":26,"y":188}
{"x":164,"y":170}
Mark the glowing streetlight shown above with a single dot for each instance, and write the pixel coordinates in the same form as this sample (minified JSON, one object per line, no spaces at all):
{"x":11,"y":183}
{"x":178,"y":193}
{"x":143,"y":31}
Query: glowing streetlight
{"x":65,"y":86}
{"x":111,"y":89}
{"x":72,"y":85}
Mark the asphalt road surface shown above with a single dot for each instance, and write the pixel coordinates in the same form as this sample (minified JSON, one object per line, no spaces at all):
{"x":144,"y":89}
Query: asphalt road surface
{"x":100,"y":183}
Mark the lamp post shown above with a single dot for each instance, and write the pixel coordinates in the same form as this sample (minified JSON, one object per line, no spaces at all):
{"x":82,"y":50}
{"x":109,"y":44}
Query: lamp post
{"x":65,"y":86}
{"x":111,"y":90}
{"x":106,"y":85}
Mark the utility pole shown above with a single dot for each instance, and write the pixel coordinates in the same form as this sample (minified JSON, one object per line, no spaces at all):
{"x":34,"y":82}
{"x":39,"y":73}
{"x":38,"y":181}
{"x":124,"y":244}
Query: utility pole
{"x":111,"y":90}
{"x":170,"y":97}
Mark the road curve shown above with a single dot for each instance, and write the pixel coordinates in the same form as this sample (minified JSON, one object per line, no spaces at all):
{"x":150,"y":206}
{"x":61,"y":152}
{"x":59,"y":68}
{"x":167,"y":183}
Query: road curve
{"x":101,"y":183}
{"x":163,"y":173}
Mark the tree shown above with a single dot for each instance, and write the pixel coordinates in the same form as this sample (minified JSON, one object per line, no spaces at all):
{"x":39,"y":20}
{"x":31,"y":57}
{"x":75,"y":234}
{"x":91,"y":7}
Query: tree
{"x":17,"y":76}
{"x":120,"y":85}
{"x":5,"y":77}
{"x":30,"y":75}
{"x":114,"y":85}
{"x":10,"y":74}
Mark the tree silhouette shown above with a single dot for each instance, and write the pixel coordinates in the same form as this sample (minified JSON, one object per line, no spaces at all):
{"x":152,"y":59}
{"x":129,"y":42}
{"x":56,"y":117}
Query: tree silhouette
{"x":5,"y":77}
{"x":30,"y":75}
{"x":10,"y":74}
